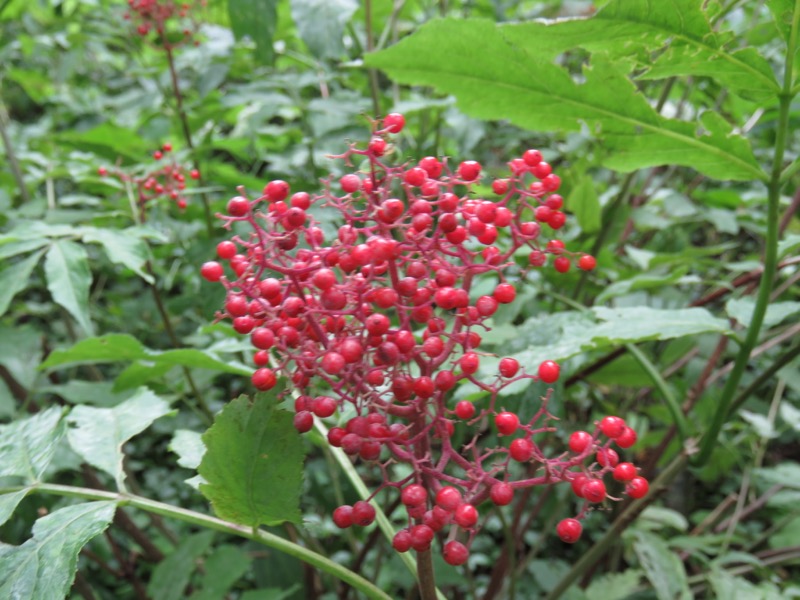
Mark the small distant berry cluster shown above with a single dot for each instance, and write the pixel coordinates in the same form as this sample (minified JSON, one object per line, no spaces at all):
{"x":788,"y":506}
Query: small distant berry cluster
{"x":171,"y":21}
{"x":167,"y":181}
{"x":383,"y":320}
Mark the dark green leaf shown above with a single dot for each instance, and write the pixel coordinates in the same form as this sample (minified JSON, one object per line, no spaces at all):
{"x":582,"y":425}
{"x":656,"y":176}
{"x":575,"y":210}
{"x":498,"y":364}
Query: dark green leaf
{"x":321,"y":24}
{"x":536,"y":94}
{"x":68,"y":279}
{"x":27,"y":446}
{"x":97,"y":434}
{"x":171,"y":576}
{"x":20,"y":353}
{"x":663,"y":568}
{"x":14,"y":279}
{"x":8,"y":504}
{"x":253,"y":463}
{"x":108,"y":348}
{"x":221,"y":570}
{"x":44,"y":567}
{"x":256,"y":19}
{"x":782,"y":11}
{"x":122,"y":248}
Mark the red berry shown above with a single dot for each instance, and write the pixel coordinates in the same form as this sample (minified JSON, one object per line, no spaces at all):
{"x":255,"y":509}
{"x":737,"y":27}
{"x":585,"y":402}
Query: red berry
{"x":469,"y":170}
{"x":626,"y":439}
{"x":102,"y":171}
{"x":455,"y":553}
{"x":501,"y":494}
{"x":532,"y":157}
{"x":264,"y":379}
{"x":262,"y":338}
{"x":226,"y":250}
{"x":276,"y":190}
{"x":549,"y":371}
{"x":158,"y":155}
{"x":324,"y":406}
{"x":508,"y":367}
{"x":569,"y":530}
{"x":394,"y":122}
{"x":333,"y":363}
{"x":303,"y":421}
{"x":607,"y":457}
{"x":577,"y":485}
{"x":402,"y":541}
{"x":466,"y":516}
{"x":421,"y":537}
{"x":363,"y":513}
{"x":413,"y":495}
{"x":624,"y":471}
{"x":500,"y":186}
{"x":377,"y":145}
{"x":469,"y":363}
{"x":238,"y":206}
{"x":637,"y":488}
{"x":212,"y":271}
{"x":343,"y":516}
{"x":505,"y":293}
{"x":350,"y":183}
{"x":594,"y":490}
{"x":465,"y":409}
{"x":506,"y":423}
{"x":194,"y":174}
{"x":587,"y":262}
{"x":562,"y":264}
{"x":612,"y":427}
{"x":521,"y":450}
{"x":335,"y":435}
{"x":579,"y":441}
{"x":448,"y":498}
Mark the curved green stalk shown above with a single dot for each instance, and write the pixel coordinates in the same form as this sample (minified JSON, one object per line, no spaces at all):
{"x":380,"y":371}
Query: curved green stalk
{"x":323,"y":563}
{"x":770,"y":254}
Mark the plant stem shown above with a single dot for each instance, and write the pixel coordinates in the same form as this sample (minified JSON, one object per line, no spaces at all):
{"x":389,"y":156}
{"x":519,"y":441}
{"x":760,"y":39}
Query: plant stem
{"x":257,"y":535}
{"x":11,"y":156}
{"x":774,"y":186}
{"x":187,"y":134}
{"x":371,"y":73}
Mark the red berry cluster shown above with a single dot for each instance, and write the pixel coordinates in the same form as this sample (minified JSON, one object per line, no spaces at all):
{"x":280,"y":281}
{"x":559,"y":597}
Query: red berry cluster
{"x":168,"y":181}
{"x":172,"y":21}
{"x":381,"y":322}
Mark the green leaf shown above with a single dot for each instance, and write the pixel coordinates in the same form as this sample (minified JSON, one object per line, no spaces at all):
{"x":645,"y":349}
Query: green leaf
{"x":107,"y":140}
{"x":68,"y":279}
{"x":27,"y":446}
{"x":662,"y":567}
{"x":221,"y":570}
{"x":645,"y":281}
{"x":782,"y":11}
{"x":20,"y":352}
{"x":614,"y":586}
{"x":321,"y":24}
{"x":623,"y":27}
{"x":538,"y":95}
{"x":97,"y":434}
{"x":741,"y":309}
{"x":97,"y":393}
{"x":14,"y":279}
{"x":785,"y":473}
{"x":44,"y":566}
{"x":9,"y":248}
{"x":664,"y":517}
{"x":761,"y":424}
{"x":253,"y":463}
{"x":122,"y":248}
{"x":8,"y":504}
{"x":189,"y":447}
{"x":256,"y":19}
{"x":171,"y":576}
{"x":790,"y":415}
{"x":585,"y":203}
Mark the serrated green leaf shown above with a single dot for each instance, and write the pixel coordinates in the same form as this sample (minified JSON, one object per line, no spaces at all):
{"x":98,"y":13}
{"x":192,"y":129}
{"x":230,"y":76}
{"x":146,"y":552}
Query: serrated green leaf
{"x":27,"y":446}
{"x":256,"y":19}
{"x":221,"y":570}
{"x":172,"y":574}
{"x":189,"y":447}
{"x":8,"y":504}
{"x":253,"y":463}
{"x":614,"y":586}
{"x":321,"y":24}
{"x":662,"y":567}
{"x":97,"y":434}
{"x":533,"y":93}
{"x":584,"y":202}
{"x":44,"y":566}
{"x":68,"y":279}
{"x":122,"y":248}
{"x":623,"y":27}
{"x":14,"y":279}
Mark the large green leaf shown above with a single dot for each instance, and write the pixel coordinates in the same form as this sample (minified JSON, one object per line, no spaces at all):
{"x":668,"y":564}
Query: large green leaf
{"x":44,"y":566}
{"x":624,"y":26}
{"x":253,"y":463}
{"x":122,"y":247}
{"x":614,"y":586}
{"x":171,"y":576}
{"x":27,"y":446}
{"x":13,"y":279}
{"x":663,"y":567}
{"x":493,"y":78}
{"x":321,"y":24}
{"x":782,"y":11}
{"x":68,"y":279}
{"x":97,"y":434}
{"x":256,"y":19}
{"x":8,"y":504}
{"x":584,"y":202}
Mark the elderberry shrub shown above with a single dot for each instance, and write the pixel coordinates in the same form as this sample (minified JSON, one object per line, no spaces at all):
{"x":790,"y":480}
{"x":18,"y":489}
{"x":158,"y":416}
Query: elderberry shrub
{"x":383,"y":318}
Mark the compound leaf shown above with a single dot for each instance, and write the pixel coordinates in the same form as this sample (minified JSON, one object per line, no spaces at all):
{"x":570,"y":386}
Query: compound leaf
{"x":68,"y":279}
{"x":536,"y":94}
{"x":253,"y":463}
{"x":14,"y":279}
{"x":97,"y":434}
{"x":44,"y":566}
{"x":122,"y":248}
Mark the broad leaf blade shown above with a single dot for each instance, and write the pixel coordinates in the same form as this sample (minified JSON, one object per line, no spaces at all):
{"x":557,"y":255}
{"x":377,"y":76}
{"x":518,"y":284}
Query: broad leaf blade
{"x":663,"y":568}
{"x":97,"y":434}
{"x":321,"y":24}
{"x":538,"y":95}
{"x":122,"y":247}
{"x":69,"y":278}
{"x":8,"y":504}
{"x":27,"y":446}
{"x":253,"y":463}
{"x":44,"y":567}
{"x":256,"y":19}
{"x":108,"y":348}
{"x":172,"y":575}
{"x":14,"y":279}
